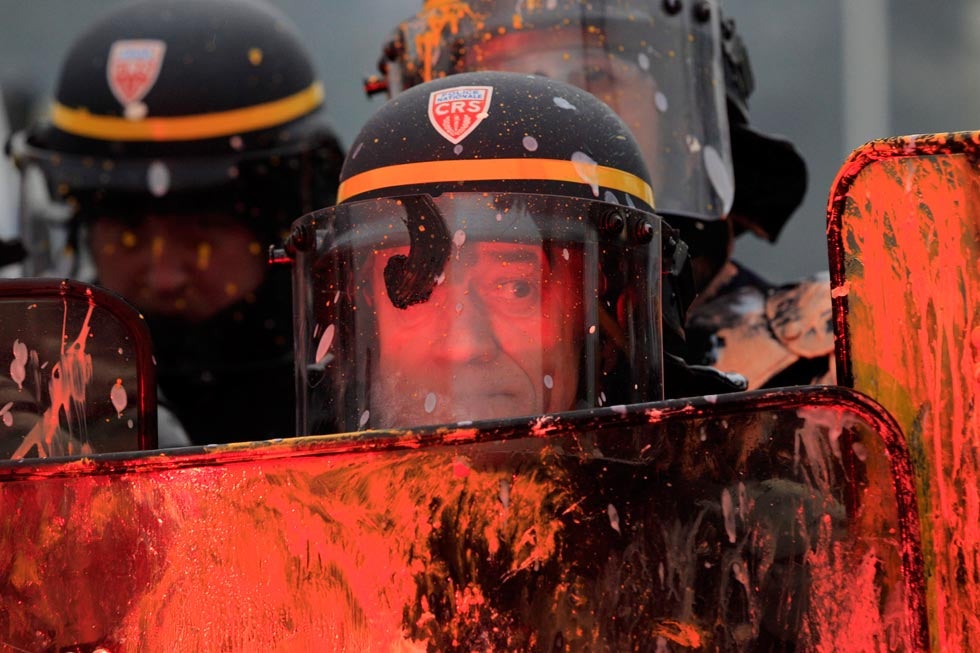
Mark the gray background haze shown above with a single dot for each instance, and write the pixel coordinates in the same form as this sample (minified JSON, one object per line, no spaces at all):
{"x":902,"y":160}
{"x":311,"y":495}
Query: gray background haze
{"x":830,"y":75}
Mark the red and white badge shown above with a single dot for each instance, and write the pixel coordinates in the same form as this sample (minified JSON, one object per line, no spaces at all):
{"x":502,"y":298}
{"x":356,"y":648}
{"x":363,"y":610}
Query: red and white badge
{"x":456,"y":112}
{"x":133,"y":68}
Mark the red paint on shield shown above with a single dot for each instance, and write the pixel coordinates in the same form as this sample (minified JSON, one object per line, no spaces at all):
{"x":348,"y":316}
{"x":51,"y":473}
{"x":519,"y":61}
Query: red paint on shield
{"x":904,"y":226}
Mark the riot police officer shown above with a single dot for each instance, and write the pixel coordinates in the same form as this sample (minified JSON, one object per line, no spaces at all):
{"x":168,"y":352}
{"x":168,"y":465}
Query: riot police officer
{"x":678,"y":73}
{"x":494,"y":254}
{"x":184,"y":136}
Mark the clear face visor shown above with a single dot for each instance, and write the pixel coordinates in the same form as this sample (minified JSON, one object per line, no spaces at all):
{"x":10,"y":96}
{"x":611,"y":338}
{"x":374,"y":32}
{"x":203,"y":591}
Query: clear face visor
{"x":417,"y":311}
{"x":661,"y":73}
{"x":58,"y":204}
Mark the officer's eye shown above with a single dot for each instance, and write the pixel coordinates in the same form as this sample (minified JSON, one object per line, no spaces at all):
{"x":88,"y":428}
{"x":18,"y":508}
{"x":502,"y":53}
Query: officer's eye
{"x":515,"y":297}
{"x":520,"y":289}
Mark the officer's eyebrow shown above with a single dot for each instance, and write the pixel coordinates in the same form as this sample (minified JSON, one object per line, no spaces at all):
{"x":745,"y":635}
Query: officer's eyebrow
{"x":516,"y":255}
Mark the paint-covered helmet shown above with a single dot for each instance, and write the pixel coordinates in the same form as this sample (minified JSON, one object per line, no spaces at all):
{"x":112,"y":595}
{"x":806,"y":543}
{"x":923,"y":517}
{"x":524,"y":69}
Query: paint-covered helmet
{"x":676,"y":72}
{"x":657,"y":64}
{"x":494,"y":254}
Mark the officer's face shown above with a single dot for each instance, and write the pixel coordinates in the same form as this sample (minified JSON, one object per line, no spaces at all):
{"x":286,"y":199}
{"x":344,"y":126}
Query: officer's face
{"x":620,"y":82}
{"x":499,"y":337}
{"x":179,"y":266}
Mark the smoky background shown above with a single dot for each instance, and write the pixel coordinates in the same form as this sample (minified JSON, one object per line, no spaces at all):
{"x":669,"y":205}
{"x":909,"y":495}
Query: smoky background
{"x":829,"y":76}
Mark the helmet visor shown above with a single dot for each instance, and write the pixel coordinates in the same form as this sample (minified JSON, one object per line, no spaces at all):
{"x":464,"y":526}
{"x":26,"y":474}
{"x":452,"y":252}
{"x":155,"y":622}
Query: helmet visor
{"x":63,"y":194}
{"x":473,"y":306}
{"x":661,"y":73}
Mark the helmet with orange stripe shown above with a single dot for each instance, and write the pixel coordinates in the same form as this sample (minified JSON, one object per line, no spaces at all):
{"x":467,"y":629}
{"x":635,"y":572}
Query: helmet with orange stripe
{"x":183,"y":138}
{"x":494,"y":254}
{"x":177,"y":107}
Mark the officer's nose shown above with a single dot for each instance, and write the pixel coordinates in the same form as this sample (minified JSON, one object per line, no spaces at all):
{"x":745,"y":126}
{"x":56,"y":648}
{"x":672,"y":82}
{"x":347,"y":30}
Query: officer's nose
{"x":167,"y":268}
{"x":469,"y":335}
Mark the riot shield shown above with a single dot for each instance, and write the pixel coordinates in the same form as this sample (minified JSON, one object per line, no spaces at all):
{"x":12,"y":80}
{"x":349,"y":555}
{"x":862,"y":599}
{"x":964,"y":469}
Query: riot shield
{"x":76,"y":371}
{"x":904,"y":231}
{"x":765,"y":521}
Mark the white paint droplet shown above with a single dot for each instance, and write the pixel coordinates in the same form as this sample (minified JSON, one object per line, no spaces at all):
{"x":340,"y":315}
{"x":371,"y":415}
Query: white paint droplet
{"x":117,"y":395}
{"x":236,"y":143}
{"x":500,"y":217}
{"x":860,"y":451}
{"x":728,"y":511}
{"x":562,"y":103}
{"x":548,"y":381}
{"x":459,"y":238}
{"x":693,"y":144}
{"x":613,"y":517}
{"x":660,"y":101}
{"x":357,"y":150}
{"x":592,"y":329}
{"x":136,"y":111}
{"x":158,"y":178}
{"x":365,"y":416}
{"x":336,"y":297}
{"x":720,"y":177}
{"x":458,"y":149}
{"x":430,"y":402}
{"x":18,"y":366}
{"x":324,"y":345}
{"x":564,"y":253}
{"x":504,"y":492}
{"x":586,"y":168}
{"x":643,"y":60}
{"x":530,"y":143}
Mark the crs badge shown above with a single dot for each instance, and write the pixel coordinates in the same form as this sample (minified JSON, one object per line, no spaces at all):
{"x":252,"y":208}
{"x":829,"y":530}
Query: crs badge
{"x":132,"y":70}
{"x":456,"y":112}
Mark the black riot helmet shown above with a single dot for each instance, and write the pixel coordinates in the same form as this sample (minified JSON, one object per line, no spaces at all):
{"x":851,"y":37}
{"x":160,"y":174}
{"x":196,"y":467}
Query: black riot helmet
{"x":177,"y":105}
{"x":674,"y":70}
{"x":494,"y":254}
{"x":183,"y":138}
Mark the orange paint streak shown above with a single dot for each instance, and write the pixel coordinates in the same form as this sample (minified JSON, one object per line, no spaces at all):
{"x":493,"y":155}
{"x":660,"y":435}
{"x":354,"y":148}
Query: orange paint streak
{"x":438,"y":18}
{"x":69,"y":378}
{"x":910,"y":246}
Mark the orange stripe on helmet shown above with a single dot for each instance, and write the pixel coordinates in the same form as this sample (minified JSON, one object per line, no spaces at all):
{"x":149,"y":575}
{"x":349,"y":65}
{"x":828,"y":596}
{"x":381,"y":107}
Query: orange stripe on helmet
{"x":187,"y":128}
{"x":431,"y":172}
